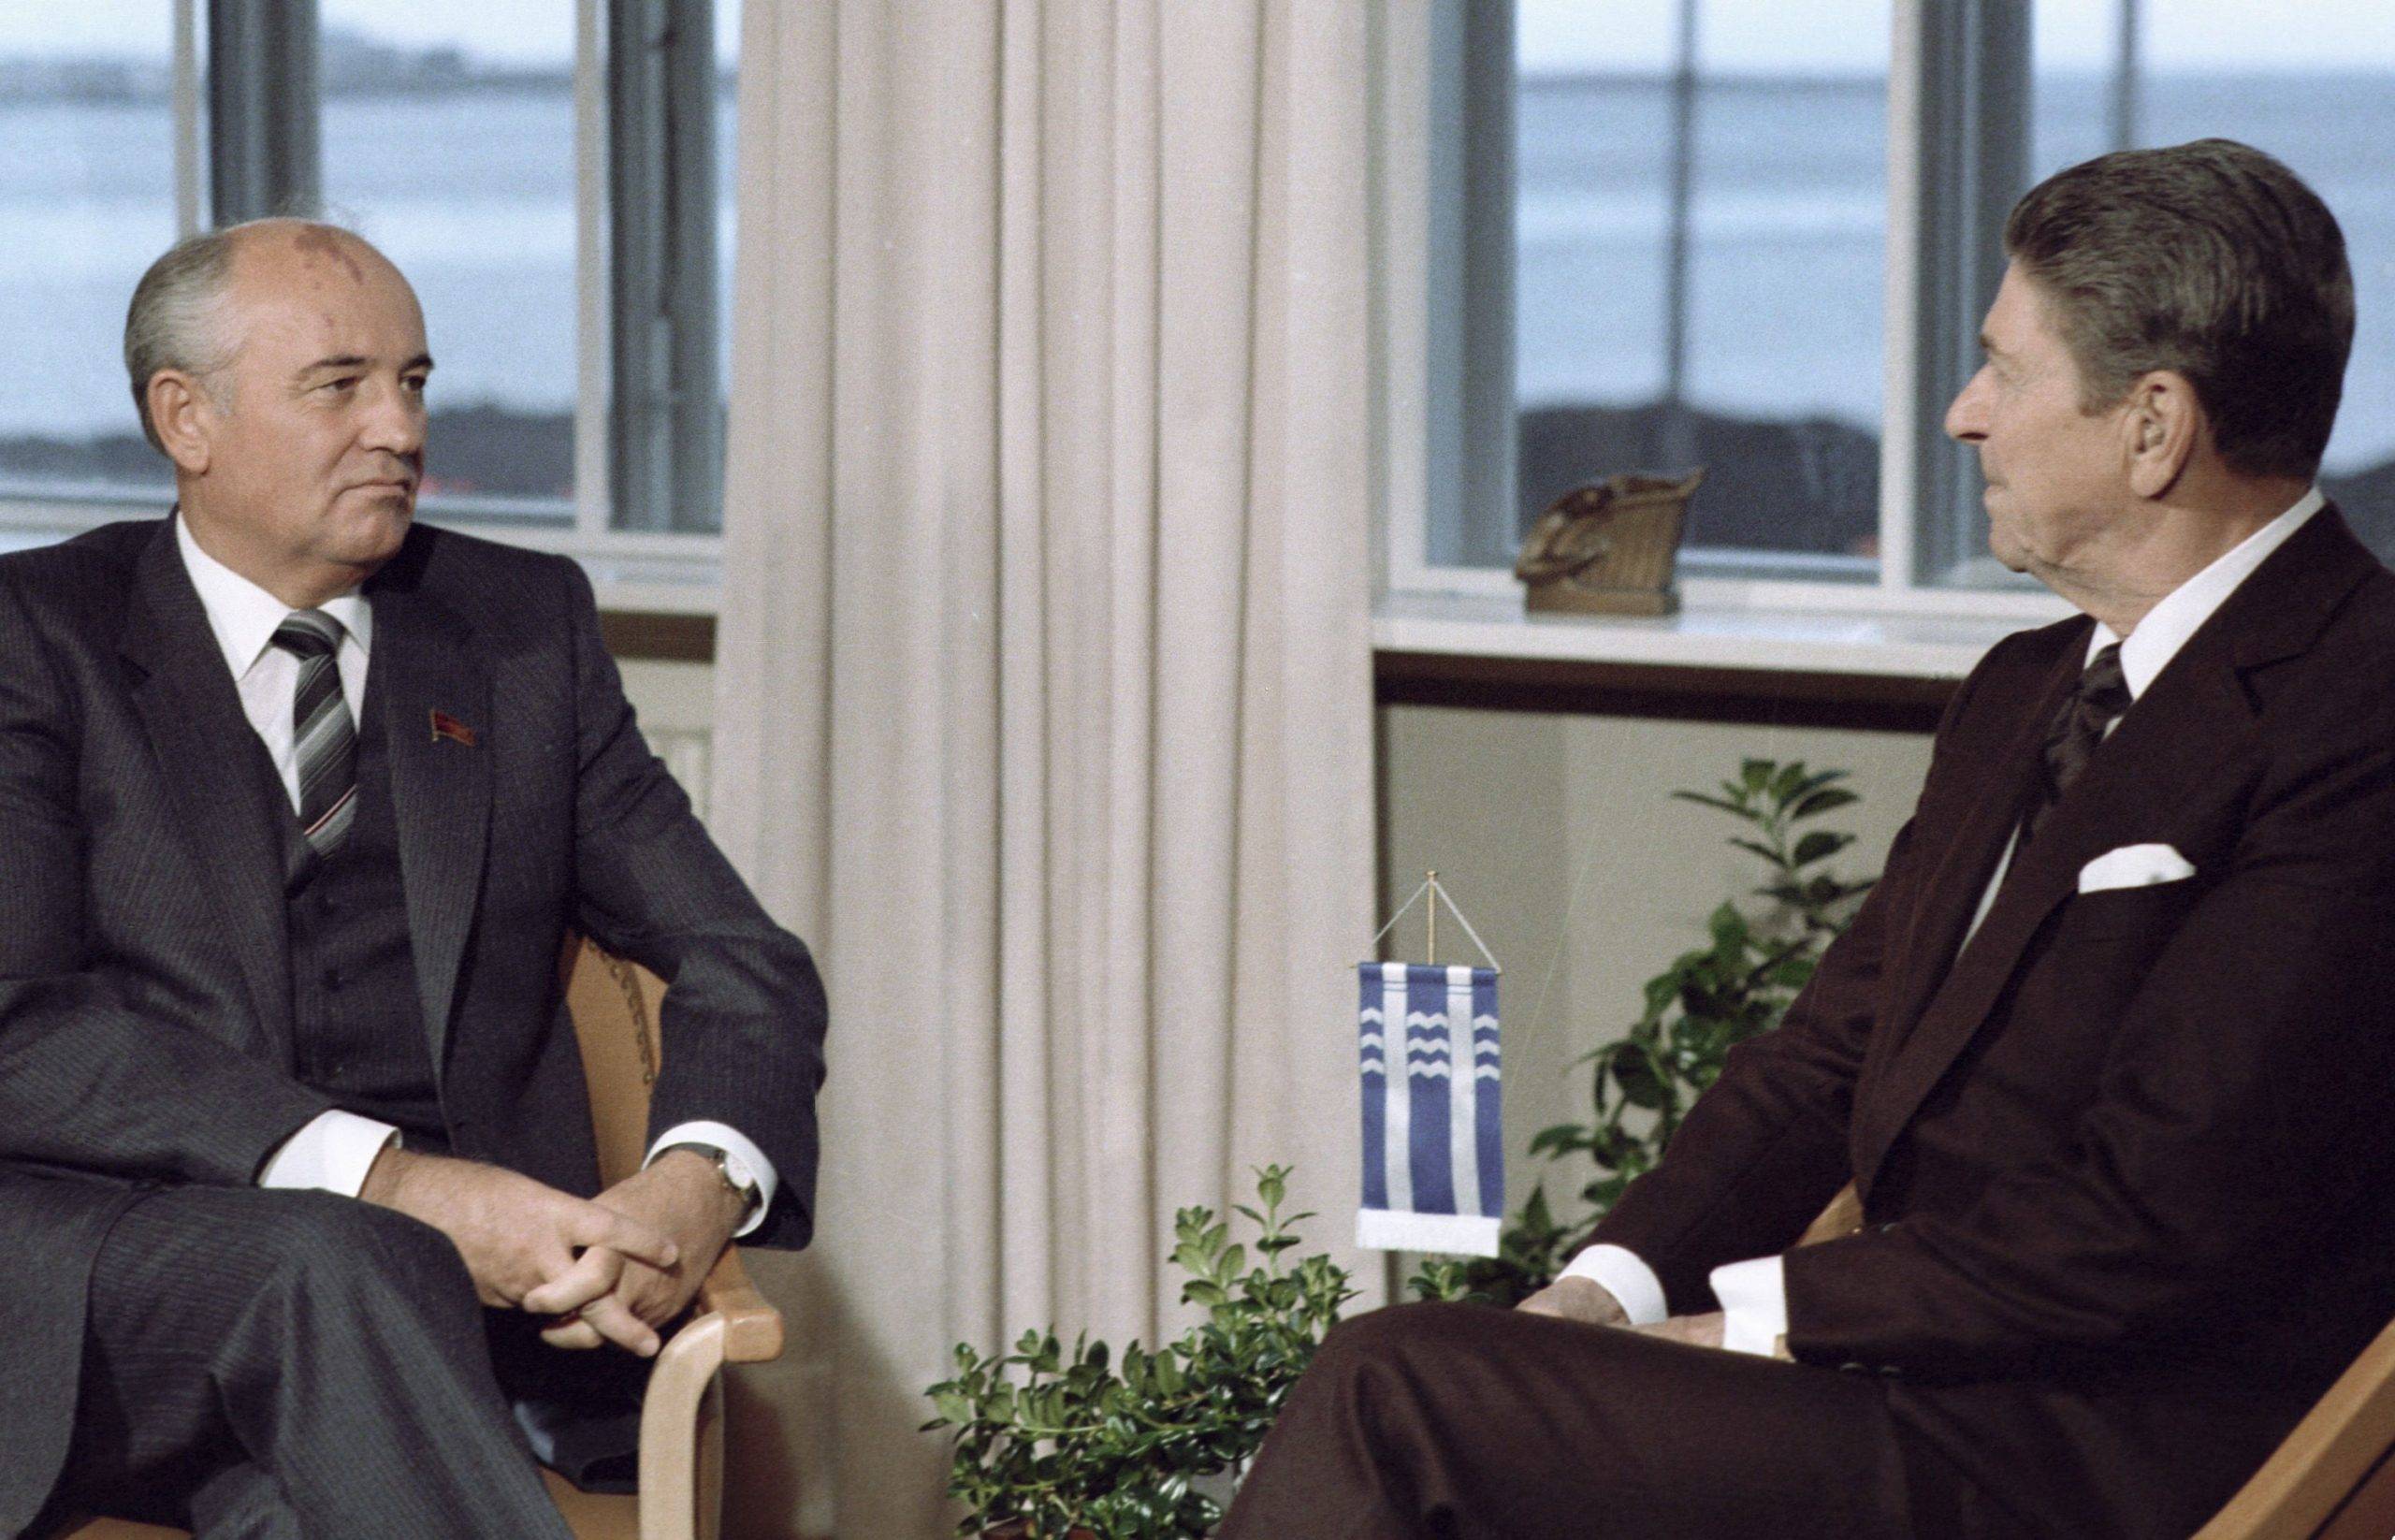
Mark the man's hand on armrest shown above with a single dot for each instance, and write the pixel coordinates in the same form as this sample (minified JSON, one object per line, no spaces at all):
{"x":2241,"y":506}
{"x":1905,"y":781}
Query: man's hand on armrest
{"x":680,"y":1195}
{"x":517,"y":1235}
{"x":1577,"y":1298}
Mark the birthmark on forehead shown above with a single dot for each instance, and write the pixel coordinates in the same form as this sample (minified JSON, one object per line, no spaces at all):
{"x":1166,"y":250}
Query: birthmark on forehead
{"x":330,"y":247}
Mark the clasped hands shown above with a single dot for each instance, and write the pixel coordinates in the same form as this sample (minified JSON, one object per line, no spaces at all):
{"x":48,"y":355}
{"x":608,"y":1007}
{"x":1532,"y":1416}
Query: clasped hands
{"x":1577,"y":1298}
{"x":612,"y":1269}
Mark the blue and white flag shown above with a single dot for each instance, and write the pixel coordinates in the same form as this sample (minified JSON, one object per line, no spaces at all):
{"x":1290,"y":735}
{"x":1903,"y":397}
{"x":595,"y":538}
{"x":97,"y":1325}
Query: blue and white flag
{"x":1434,"y":1150}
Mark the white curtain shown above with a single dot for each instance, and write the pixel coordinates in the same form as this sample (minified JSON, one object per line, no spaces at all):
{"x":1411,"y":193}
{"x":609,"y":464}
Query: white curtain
{"x":1043,"y":670}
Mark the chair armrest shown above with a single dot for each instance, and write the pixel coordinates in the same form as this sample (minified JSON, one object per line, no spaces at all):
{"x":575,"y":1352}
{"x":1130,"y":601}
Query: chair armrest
{"x":2337,"y":1444}
{"x":734,"y":1325}
{"x":1843,"y":1216}
{"x":752,"y":1329}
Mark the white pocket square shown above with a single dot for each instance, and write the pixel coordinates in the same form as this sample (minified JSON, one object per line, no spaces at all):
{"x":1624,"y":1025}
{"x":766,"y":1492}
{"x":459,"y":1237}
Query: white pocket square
{"x":2134,"y":866}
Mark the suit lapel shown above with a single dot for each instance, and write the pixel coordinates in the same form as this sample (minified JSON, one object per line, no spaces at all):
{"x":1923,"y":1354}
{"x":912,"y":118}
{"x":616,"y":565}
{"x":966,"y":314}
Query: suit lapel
{"x":2192,"y":723}
{"x":216,"y":773}
{"x":1951,"y":896}
{"x":441,"y":786}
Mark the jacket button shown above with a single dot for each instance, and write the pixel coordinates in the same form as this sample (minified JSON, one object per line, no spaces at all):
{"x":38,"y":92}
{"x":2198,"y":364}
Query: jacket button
{"x":1852,"y":1366}
{"x":1890,"y":1371}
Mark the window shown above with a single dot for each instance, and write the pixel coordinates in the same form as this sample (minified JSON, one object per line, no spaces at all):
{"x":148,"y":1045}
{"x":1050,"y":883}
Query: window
{"x":552,"y":175}
{"x":88,"y":184}
{"x":1760,"y":239}
{"x":1700,"y":224}
{"x":454,"y":152}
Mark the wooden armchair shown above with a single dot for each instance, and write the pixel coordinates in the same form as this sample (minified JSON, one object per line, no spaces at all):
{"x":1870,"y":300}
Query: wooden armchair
{"x":682,"y":1426}
{"x":2334,"y":1477}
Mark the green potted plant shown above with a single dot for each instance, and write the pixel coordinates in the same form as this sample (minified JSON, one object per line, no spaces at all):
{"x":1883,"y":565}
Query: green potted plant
{"x":1051,"y":1444}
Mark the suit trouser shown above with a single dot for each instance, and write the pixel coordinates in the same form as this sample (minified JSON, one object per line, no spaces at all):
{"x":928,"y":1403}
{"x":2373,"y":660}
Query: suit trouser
{"x":283,"y":1364}
{"x":1461,"y":1422}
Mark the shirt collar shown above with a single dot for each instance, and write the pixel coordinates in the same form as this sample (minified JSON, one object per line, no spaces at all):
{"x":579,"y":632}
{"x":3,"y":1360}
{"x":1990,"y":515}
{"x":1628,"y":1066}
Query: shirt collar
{"x":244,"y":616}
{"x":2183,"y":610}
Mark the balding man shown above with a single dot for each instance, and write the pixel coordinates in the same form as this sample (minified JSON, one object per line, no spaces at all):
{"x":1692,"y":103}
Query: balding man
{"x":2107,"y":1052}
{"x":298,"y":800}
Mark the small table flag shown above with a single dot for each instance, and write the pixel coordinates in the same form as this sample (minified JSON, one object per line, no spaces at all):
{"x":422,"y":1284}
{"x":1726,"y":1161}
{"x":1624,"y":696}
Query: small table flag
{"x":1434,"y":1149}
{"x":1432,"y":1073}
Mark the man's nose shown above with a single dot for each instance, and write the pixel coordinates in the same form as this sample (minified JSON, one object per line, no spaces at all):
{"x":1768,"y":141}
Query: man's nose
{"x":1966,"y":419}
{"x":394,"y":422}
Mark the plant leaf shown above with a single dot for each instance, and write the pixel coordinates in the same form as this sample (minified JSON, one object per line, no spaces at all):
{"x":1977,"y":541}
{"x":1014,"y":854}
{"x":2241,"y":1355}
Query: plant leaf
{"x":1822,"y":802}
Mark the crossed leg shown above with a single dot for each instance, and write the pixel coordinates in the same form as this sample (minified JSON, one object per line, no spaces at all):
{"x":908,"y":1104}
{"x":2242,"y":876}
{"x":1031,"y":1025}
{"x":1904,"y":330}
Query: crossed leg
{"x":269,"y":1365}
{"x":1458,"y":1422}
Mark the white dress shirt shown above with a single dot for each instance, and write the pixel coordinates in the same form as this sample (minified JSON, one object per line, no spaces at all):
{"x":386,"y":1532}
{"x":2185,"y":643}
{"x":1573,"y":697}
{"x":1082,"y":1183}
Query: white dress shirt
{"x":1753,"y":1294}
{"x":336,"y":1149}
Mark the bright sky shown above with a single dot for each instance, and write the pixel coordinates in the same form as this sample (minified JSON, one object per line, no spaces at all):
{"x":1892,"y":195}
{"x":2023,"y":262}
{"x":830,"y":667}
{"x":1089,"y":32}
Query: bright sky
{"x":503,"y":32}
{"x":1845,"y":36}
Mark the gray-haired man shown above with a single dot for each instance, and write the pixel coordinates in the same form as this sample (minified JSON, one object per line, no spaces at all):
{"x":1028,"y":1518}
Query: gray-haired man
{"x":298,"y":799}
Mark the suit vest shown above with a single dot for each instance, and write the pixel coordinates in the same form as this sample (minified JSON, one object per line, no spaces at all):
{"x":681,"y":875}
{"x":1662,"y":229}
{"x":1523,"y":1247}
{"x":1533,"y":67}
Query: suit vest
{"x":357,"y":1022}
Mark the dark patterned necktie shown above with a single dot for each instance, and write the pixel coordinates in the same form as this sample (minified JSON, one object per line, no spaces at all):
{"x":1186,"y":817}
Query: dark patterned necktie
{"x":324,"y":740}
{"x":2102,"y":695}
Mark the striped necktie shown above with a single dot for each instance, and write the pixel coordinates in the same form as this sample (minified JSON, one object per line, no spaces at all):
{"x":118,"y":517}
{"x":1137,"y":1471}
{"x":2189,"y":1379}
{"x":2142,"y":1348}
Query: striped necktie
{"x":2102,"y":696}
{"x":324,"y":740}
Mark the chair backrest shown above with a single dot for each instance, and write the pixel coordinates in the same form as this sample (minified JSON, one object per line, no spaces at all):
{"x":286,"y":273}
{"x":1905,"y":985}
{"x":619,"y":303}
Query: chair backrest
{"x":614,"y":1008}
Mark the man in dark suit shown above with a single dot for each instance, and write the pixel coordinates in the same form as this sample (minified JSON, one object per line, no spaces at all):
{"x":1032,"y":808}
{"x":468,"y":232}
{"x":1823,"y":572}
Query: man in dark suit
{"x":298,"y":803}
{"x":2107,"y":1052}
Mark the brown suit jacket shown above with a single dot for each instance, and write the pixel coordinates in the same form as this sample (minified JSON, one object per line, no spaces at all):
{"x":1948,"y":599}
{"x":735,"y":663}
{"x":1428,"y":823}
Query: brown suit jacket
{"x":2125,"y":1157}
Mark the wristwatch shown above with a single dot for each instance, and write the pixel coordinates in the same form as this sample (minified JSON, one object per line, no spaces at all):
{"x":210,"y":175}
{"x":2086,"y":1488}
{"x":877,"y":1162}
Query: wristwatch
{"x":734,"y":1171}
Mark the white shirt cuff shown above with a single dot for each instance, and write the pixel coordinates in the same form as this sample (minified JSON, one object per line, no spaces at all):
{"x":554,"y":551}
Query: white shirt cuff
{"x":1754,"y":1304}
{"x":1626,"y":1277}
{"x":743,"y":1162}
{"x":333,"y":1151}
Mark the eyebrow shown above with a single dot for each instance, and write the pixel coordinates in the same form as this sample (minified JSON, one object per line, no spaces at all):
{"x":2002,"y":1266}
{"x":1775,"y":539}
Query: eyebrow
{"x":352,"y":360}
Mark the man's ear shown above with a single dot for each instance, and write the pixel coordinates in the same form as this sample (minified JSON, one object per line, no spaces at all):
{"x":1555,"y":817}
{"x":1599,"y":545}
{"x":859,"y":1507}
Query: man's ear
{"x":2162,"y":424}
{"x":185,"y":416}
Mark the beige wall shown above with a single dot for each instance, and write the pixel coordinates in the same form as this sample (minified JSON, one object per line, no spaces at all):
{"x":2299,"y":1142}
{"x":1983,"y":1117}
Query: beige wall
{"x":1557,"y":835}
{"x":1555,"y":832}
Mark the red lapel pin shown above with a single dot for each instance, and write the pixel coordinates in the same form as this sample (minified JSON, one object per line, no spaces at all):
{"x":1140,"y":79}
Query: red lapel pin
{"x":447,"y":726}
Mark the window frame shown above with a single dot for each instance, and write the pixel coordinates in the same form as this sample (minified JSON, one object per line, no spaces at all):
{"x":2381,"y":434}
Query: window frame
{"x":639,"y":564}
{"x":1449,"y":438}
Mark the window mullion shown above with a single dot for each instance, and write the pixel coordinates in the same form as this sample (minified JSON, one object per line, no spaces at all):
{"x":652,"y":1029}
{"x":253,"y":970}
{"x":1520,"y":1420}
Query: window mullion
{"x":1910,"y":79}
{"x":1472,"y":231}
{"x":593,"y":304}
{"x":189,"y":150}
{"x":668,"y":419}
{"x":1971,"y":121}
{"x":263,"y":102}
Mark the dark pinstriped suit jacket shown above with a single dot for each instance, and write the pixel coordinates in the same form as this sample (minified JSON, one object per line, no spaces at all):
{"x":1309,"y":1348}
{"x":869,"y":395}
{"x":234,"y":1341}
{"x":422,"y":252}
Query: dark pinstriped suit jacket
{"x":2126,"y":1156}
{"x":145,"y":1004}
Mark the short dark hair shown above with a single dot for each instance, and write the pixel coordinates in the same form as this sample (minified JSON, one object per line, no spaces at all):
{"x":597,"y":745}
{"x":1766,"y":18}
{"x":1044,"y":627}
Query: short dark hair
{"x":2210,"y":259}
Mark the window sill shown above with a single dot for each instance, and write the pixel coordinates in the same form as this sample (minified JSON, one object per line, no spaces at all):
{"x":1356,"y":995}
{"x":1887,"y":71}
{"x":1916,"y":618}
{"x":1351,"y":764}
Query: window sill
{"x":1887,"y":645}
